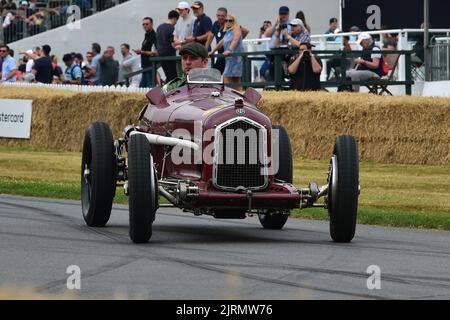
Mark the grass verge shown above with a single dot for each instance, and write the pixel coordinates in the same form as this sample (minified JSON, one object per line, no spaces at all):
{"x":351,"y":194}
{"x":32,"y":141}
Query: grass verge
{"x":391,"y":195}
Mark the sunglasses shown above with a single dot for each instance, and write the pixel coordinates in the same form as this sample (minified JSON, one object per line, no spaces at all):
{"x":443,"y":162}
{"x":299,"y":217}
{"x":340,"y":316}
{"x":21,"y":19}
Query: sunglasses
{"x":229,"y":20}
{"x":146,"y":24}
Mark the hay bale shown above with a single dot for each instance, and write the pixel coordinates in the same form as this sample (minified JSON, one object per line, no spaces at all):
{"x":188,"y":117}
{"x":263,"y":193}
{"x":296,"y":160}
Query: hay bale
{"x":407,"y":130}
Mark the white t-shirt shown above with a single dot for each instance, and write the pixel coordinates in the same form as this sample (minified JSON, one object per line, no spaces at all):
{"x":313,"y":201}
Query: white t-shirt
{"x":130,"y":64}
{"x":184,"y":27}
{"x":29,"y":66}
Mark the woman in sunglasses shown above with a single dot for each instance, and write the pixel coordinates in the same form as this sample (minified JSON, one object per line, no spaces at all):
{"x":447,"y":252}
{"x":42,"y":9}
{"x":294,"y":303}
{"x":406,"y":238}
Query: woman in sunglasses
{"x":231,"y":42}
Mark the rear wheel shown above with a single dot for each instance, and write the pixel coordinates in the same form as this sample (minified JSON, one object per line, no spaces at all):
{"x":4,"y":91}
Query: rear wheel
{"x":272,"y":219}
{"x":98,"y":175}
{"x":343,"y":189}
{"x":142,"y":189}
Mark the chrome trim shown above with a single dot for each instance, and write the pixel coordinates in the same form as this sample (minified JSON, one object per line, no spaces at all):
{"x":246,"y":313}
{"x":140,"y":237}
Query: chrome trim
{"x":217,"y":147}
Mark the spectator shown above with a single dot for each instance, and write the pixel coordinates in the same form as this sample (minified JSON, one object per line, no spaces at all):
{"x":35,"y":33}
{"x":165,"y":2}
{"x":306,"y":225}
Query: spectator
{"x":300,"y":15}
{"x":389,"y":40}
{"x":129,"y":64}
{"x":218,"y":33}
{"x":368,"y":65}
{"x":185,"y":25}
{"x":353,"y":38}
{"x":165,"y":44}
{"x":37,"y":51}
{"x":57,"y":71}
{"x":340,"y":66}
{"x":193,"y":55}
{"x":232,"y":42}
{"x":73,"y":73}
{"x":332,"y":29}
{"x":266,"y":24}
{"x":305,"y":69}
{"x":202,"y":25}
{"x":87,"y":70}
{"x":109,"y":68}
{"x":95,"y":71}
{"x":281,"y":22}
{"x":29,"y":60}
{"x":298,"y":34}
{"x":79,"y":60}
{"x":9,"y":66}
{"x":42,"y":68}
{"x":147,"y":51}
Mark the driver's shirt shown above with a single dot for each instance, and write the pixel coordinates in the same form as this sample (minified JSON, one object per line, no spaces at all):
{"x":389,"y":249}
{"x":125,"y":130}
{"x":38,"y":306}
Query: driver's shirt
{"x":175,"y":83}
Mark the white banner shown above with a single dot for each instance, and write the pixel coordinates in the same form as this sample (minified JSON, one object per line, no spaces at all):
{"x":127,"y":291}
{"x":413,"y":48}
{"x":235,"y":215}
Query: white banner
{"x":15,"y":118}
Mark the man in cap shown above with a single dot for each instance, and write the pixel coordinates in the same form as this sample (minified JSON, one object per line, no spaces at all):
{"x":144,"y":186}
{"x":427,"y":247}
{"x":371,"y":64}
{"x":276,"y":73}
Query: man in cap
{"x":369,"y":65}
{"x":184,"y":26}
{"x":281,"y":23}
{"x":297,"y":36}
{"x":202,"y":25}
{"x":193,"y":55}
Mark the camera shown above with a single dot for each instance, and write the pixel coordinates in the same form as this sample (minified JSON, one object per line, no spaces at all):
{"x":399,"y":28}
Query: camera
{"x":306,"y":56}
{"x":282,"y":26}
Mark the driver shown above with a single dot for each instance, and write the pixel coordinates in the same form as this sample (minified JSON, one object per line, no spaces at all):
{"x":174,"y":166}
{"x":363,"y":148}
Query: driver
{"x":193,"y":55}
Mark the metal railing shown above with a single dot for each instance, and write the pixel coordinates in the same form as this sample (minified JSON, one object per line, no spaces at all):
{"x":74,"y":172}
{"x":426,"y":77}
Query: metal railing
{"x":279,"y":58}
{"x":439,"y":54}
{"x":46,"y":15}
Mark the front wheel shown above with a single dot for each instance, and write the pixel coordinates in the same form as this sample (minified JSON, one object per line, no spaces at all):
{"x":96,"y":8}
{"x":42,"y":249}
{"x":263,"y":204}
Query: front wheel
{"x":343,"y":189}
{"x":143,"y":193}
{"x":98,"y":175}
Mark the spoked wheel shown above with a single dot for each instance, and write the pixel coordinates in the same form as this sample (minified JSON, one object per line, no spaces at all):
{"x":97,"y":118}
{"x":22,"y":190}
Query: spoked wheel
{"x":98,"y":175}
{"x":142,"y":182}
{"x":271,"y":219}
{"x":343,"y":189}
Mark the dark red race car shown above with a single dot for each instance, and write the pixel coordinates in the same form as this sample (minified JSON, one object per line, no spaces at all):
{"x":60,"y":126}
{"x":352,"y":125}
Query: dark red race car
{"x":208,"y":149}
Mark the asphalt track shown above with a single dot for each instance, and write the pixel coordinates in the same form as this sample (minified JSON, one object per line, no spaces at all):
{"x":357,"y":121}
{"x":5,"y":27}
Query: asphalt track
{"x":203,"y":258}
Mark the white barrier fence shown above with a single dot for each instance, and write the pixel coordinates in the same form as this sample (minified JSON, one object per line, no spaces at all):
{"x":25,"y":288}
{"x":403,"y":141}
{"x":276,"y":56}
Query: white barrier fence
{"x":77,"y":88}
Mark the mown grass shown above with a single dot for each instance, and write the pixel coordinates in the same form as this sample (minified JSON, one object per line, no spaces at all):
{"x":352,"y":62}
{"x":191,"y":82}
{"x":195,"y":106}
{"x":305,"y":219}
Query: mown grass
{"x":394,"y":195}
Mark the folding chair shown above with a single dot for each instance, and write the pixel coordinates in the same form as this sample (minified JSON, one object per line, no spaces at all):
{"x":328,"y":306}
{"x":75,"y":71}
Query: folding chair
{"x":381,"y":85}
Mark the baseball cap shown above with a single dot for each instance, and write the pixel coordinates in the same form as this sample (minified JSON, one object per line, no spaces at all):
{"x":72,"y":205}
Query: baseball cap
{"x":197,"y":4}
{"x":194,"y":48}
{"x":183,"y":5}
{"x":354,"y":28}
{"x":363,"y":36}
{"x":283,"y":10}
{"x":297,"y":22}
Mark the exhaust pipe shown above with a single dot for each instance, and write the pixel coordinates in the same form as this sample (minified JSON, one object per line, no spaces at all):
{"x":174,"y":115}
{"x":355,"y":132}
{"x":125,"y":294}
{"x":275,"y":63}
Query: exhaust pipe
{"x":167,"y":141}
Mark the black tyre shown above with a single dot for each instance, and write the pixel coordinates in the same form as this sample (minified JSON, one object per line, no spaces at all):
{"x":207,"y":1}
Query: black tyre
{"x":343,"y":189}
{"x":142,"y":185}
{"x":285,"y":171}
{"x":98,"y":175}
{"x":268,"y":218}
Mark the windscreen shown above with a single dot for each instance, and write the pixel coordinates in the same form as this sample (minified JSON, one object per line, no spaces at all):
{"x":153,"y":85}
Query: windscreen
{"x":204,"y":75}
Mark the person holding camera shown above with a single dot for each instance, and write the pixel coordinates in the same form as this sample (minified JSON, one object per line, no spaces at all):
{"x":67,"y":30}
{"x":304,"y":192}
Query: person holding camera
{"x":297,"y":36}
{"x":282,"y":22}
{"x":266,"y":24}
{"x":305,"y":69}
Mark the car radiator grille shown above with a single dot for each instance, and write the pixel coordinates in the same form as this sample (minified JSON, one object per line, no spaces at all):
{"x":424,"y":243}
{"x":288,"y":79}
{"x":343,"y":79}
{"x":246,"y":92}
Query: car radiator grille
{"x":247,"y":151}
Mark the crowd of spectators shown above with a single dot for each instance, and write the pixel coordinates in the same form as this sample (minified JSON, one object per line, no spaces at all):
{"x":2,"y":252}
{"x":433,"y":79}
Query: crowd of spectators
{"x":186,"y":24}
{"x":22,"y":18}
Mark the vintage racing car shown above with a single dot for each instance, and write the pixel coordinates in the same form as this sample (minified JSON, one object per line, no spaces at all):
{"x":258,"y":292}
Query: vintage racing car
{"x":208,"y":149}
